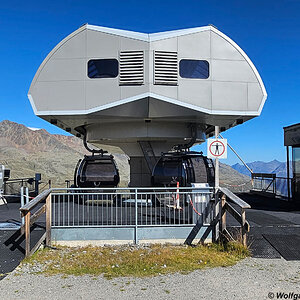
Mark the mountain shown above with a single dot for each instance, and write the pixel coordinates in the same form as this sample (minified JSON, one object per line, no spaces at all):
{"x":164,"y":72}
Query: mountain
{"x":260,"y":167}
{"x":26,"y":152}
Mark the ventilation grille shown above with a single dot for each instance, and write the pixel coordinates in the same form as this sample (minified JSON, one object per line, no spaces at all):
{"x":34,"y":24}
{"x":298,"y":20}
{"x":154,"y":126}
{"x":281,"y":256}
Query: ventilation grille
{"x":131,"y":67}
{"x":165,"y":68}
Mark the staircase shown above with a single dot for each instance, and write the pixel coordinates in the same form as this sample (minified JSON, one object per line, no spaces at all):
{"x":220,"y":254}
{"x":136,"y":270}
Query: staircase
{"x":148,"y":154}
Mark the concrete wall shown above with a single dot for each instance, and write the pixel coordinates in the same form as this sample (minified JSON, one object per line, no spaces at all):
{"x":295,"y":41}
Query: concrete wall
{"x":140,"y":174}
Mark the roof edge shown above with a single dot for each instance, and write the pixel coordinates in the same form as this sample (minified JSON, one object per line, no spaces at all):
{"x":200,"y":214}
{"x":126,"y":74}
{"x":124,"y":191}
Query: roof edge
{"x":137,"y":97}
{"x":148,"y":37}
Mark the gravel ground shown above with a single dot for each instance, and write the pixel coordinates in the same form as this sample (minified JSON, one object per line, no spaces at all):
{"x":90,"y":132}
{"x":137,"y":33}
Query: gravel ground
{"x":252,"y":278}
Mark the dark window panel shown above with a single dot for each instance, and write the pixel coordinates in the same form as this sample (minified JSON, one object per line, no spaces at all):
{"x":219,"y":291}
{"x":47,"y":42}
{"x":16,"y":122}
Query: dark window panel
{"x":191,"y":68}
{"x":103,"y":68}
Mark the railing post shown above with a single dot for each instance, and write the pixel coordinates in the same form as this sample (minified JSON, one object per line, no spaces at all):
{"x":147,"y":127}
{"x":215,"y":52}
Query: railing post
{"x":22,"y":204}
{"x":48,"y":220}
{"x":243,"y":230}
{"x":136,"y":220}
{"x":216,"y":217}
{"x":27,"y":194}
{"x":223,"y":214}
{"x":27,"y":233}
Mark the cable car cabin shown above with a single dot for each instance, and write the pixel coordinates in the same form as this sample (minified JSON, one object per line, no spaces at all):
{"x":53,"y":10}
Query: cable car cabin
{"x":96,"y":171}
{"x":183,"y":167}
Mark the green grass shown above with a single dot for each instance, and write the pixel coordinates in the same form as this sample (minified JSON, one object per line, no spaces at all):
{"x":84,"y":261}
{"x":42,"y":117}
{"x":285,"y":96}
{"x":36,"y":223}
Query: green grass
{"x":137,"y":262}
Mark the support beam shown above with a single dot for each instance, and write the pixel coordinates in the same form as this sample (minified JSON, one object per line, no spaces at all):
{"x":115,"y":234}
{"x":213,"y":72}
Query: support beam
{"x":217,"y":167}
{"x":217,"y":209}
{"x":288,"y":172}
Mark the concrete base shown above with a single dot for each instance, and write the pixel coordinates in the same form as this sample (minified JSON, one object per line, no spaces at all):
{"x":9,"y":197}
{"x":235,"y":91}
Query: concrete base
{"x":99,"y":236}
{"x":97,"y":243}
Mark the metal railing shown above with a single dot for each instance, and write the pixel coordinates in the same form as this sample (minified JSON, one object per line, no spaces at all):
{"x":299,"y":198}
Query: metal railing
{"x":161,"y":209}
{"x":129,"y":206}
{"x":271,"y":184}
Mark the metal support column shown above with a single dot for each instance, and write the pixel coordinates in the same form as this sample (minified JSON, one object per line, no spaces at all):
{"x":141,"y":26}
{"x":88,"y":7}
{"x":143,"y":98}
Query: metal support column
{"x":217,"y":167}
{"x":288,"y":172}
{"x":217,"y":214}
{"x":136,"y":241}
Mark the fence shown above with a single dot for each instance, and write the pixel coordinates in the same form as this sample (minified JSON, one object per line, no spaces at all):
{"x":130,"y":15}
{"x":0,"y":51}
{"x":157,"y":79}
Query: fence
{"x":126,"y":207}
{"x":135,"y":215}
{"x":271,"y":184}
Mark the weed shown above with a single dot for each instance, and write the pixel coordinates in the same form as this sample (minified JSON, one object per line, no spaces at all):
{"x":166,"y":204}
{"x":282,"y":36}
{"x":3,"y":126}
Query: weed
{"x":121,"y":261}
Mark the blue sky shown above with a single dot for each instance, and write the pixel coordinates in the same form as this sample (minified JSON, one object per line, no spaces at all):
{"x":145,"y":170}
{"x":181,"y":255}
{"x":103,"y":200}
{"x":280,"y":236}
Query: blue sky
{"x":268,"y":31}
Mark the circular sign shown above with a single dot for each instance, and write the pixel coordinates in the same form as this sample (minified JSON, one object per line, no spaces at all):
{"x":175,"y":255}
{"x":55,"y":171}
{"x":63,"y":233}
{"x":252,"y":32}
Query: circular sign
{"x":217,"y":148}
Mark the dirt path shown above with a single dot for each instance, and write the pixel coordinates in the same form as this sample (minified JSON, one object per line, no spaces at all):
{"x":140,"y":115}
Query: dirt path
{"x":252,"y":278}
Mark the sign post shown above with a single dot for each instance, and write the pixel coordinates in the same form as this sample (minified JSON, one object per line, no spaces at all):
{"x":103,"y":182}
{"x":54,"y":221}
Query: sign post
{"x":217,"y":149}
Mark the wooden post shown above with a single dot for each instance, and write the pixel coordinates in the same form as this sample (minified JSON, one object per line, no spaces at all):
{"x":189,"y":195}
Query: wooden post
{"x":243,"y":230}
{"x":27,"y":233}
{"x":48,"y":220}
{"x":223,"y":214}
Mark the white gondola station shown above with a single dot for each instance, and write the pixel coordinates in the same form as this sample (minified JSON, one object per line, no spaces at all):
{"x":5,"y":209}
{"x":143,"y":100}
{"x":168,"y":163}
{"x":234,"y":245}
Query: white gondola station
{"x":146,"y":92}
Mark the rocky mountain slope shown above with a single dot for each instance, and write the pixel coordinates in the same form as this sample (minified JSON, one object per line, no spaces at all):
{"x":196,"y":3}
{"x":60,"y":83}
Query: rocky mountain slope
{"x":26,"y":152}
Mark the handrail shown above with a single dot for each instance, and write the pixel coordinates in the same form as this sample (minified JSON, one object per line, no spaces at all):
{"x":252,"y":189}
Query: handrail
{"x":35,"y":201}
{"x":132,"y":188}
{"x":30,"y":219}
{"x":224,"y":207}
{"x":265,"y":175}
{"x":234,"y":198}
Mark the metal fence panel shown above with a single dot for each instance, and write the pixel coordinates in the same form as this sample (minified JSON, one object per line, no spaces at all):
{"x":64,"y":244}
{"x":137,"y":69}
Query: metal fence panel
{"x":130,"y":207}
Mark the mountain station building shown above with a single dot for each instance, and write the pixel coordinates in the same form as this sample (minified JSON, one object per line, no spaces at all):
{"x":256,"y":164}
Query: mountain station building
{"x":292,"y":139}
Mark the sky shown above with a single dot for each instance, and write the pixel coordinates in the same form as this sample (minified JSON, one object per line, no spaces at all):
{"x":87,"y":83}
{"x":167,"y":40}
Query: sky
{"x":268,"y":31}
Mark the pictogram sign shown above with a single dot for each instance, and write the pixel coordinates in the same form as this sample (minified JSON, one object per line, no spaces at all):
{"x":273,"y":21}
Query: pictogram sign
{"x":217,"y":148}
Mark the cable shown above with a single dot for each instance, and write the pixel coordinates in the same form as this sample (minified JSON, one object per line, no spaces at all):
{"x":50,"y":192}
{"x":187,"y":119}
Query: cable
{"x":194,"y":209}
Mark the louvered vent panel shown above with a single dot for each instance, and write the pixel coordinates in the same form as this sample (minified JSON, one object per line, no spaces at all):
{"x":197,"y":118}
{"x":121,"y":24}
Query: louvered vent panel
{"x":131,"y":67}
{"x":165,"y":68}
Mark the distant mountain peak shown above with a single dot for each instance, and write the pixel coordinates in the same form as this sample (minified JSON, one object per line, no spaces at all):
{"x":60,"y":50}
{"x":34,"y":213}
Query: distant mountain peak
{"x":34,"y":129}
{"x":15,"y":135}
{"x":274,"y":166}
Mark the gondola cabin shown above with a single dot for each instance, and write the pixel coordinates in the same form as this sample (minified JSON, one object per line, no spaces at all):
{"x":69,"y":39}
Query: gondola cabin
{"x":96,"y":171}
{"x":183,"y":167}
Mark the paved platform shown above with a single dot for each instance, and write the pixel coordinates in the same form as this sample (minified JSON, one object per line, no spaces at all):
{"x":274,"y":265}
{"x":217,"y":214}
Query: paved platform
{"x":275,"y":227}
{"x":12,"y":245}
{"x":275,"y":231}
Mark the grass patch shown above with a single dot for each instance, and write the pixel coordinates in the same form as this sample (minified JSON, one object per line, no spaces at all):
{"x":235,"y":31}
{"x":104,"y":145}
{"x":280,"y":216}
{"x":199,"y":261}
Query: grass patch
{"x":135,"y":261}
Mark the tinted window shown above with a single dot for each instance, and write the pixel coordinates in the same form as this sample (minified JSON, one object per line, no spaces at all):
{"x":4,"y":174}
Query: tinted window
{"x":191,"y":68}
{"x":103,"y":68}
{"x":99,"y":171}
